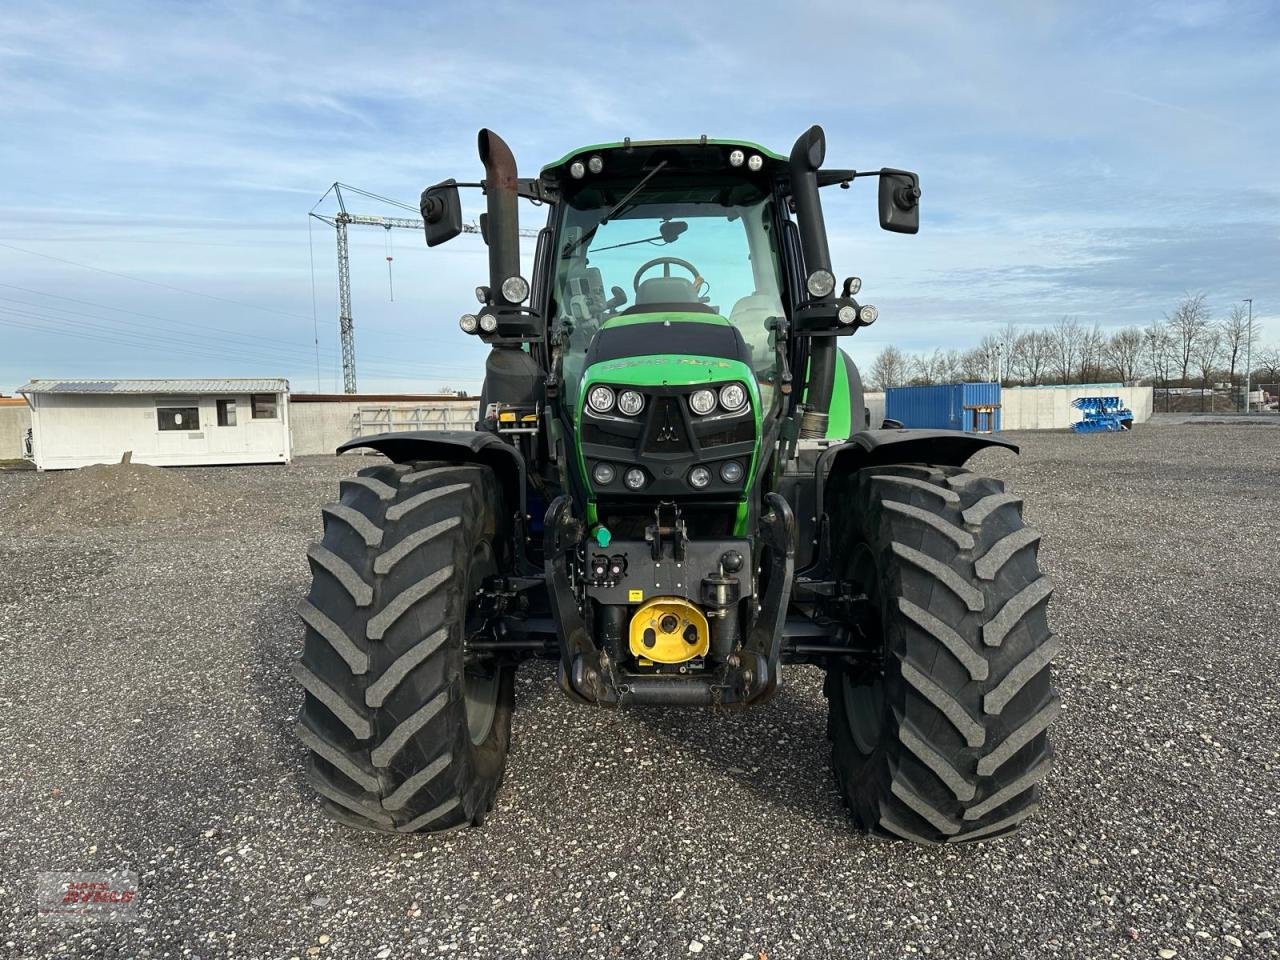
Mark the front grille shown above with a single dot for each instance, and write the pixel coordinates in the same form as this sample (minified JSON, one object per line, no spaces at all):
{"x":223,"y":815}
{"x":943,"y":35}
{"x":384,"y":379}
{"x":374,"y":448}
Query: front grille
{"x":741,"y":432}
{"x":666,"y":433}
{"x":607,"y":438}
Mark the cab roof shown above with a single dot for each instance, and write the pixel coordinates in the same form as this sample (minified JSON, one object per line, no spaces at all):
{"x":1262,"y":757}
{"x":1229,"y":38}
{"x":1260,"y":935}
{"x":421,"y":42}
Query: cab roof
{"x":647,"y":146}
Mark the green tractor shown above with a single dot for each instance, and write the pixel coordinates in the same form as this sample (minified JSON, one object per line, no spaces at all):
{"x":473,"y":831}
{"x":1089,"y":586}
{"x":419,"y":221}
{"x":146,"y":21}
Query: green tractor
{"x":673,"y":490}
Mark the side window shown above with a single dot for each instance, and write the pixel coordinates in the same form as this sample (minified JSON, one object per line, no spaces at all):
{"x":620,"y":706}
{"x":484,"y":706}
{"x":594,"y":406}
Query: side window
{"x":226,"y":413}
{"x":263,"y":406}
{"x":178,"y":418}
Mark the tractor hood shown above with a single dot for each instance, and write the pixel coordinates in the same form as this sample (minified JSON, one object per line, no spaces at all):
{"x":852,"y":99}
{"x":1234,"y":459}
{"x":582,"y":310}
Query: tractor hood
{"x":689,"y":347}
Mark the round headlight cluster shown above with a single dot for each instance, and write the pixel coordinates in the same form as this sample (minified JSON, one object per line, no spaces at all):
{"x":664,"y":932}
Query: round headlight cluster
{"x":595,"y":164}
{"x":699,"y":477}
{"x":736,"y":157}
{"x":515,"y":289}
{"x":702,"y":401}
{"x":577,"y":170}
{"x":820,"y":283}
{"x":603,"y":473}
{"x":488,"y":322}
{"x":755,"y":162}
{"x":867,"y":314}
{"x":468,"y":323}
{"x":733,"y":397}
{"x":847,"y":314}
{"x":630,"y":402}
{"x":600,"y":399}
{"x":634,"y":478}
{"x":731,"y":471}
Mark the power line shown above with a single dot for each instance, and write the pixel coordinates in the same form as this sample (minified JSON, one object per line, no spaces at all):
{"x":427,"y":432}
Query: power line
{"x":154,"y":283}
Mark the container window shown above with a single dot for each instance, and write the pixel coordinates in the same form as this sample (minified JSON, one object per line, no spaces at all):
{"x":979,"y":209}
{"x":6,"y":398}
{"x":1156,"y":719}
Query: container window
{"x":178,"y":418}
{"x":226,"y":413}
{"x":263,"y":405}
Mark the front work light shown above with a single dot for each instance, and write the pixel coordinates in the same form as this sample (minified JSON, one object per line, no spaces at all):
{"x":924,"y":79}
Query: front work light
{"x":468,"y":323}
{"x":755,"y":162}
{"x":515,"y":289}
{"x":867,"y":315}
{"x":488,"y":323}
{"x":820,"y":283}
{"x":595,"y":164}
{"x":736,"y":158}
{"x":847,"y":314}
{"x":577,"y":170}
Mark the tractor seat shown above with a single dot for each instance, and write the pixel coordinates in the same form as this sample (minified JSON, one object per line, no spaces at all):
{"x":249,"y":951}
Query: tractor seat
{"x":666,"y":290}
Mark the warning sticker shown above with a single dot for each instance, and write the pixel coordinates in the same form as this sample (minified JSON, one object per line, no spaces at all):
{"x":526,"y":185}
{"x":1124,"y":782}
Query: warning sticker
{"x":635,"y":596}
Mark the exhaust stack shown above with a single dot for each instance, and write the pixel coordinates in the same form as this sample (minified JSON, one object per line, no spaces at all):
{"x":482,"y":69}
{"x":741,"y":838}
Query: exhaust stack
{"x":806,"y":158}
{"x":502,"y":221}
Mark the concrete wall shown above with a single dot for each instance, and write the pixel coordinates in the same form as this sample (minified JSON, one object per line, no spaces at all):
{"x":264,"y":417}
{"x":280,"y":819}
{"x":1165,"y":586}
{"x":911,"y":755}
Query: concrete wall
{"x":14,"y":422}
{"x":1045,"y":408}
{"x":1049,"y":408}
{"x":320,"y":427}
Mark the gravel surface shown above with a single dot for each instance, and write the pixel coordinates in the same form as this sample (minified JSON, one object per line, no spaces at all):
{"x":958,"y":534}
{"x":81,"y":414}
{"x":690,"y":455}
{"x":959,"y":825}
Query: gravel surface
{"x":145,"y":711}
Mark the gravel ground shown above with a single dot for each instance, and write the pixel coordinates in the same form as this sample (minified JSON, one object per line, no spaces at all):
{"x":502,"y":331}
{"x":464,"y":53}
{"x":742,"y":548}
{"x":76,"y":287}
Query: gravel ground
{"x":145,"y":712}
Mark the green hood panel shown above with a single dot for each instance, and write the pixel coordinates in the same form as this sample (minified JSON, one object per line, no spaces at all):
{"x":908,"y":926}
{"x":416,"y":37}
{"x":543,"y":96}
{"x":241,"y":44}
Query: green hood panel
{"x":667,"y":370}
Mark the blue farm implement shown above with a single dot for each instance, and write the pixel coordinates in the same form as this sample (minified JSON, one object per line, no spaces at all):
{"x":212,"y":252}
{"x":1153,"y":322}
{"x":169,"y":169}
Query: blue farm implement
{"x":1102,"y":415}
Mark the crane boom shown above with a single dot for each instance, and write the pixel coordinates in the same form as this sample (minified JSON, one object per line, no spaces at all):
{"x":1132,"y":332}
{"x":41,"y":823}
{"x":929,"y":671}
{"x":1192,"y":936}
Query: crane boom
{"x":340,"y":221}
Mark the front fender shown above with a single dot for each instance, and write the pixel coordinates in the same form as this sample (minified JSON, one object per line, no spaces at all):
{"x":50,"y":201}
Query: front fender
{"x":878,"y":448}
{"x":465,"y":446}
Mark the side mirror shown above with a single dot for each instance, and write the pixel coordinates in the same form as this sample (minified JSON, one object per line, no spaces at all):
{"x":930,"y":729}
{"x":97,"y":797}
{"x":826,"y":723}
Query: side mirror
{"x":899,"y":201}
{"x":441,"y":212}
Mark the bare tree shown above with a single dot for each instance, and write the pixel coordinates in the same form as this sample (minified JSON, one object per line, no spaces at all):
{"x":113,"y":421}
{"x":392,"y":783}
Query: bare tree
{"x":1187,"y":321}
{"x":1158,"y":345}
{"x":1266,"y":365}
{"x":1124,"y":353}
{"x":1208,"y":351}
{"x":1032,"y":355}
{"x":1066,"y":334}
{"x":1235,"y":339}
{"x":990,"y":347}
{"x":1009,"y":336}
{"x":928,"y":368}
{"x":974,"y":366}
{"x":889,"y":369}
{"x":1092,"y":346}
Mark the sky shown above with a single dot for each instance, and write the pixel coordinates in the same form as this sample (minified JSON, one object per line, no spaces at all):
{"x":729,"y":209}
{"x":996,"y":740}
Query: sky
{"x":159,"y":161}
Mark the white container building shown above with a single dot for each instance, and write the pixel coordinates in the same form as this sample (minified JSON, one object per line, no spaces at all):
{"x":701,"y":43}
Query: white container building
{"x":168,"y":423}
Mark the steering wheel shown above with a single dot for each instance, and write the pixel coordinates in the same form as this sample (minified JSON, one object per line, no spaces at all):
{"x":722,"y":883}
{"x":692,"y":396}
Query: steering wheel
{"x":667,"y":263}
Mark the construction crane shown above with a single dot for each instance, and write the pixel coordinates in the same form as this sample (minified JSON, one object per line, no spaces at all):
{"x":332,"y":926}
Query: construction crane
{"x":340,"y":221}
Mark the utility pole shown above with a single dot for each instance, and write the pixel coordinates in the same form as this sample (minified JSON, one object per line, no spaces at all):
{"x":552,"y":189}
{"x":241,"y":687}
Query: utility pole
{"x":1248,"y":355}
{"x":339,"y":222}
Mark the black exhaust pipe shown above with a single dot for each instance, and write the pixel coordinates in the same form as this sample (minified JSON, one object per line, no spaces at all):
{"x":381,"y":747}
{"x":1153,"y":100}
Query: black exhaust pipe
{"x":502,"y":221}
{"x":806,"y":158}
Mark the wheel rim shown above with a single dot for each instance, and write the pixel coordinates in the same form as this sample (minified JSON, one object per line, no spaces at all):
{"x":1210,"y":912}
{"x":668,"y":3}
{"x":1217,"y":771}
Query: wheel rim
{"x":481,"y":678}
{"x":863,"y":688}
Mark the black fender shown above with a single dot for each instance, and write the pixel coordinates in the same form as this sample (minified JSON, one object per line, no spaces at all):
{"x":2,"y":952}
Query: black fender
{"x":465,"y":446}
{"x":878,"y":448}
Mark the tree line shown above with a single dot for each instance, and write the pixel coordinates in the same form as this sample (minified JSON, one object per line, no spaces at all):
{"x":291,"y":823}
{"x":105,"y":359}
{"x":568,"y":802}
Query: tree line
{"x":1187,"y":348}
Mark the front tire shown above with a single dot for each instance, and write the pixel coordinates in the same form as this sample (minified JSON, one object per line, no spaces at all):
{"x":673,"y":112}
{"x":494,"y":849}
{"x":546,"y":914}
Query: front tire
{"x":944,"y":740}
{"x":407,"y":731}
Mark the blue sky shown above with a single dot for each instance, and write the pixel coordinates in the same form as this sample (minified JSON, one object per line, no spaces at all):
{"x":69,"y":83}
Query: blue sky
{"x":1075,"y":158}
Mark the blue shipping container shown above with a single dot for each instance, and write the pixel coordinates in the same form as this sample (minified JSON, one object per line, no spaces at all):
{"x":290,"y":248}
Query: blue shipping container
{"x":972,"y":407}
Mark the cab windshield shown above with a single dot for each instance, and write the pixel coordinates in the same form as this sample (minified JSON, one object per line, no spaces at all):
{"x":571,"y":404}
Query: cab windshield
{"x":709,"y":249}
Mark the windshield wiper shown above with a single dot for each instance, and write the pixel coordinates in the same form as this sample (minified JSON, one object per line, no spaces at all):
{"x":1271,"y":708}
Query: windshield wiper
{"x":586,"y":237}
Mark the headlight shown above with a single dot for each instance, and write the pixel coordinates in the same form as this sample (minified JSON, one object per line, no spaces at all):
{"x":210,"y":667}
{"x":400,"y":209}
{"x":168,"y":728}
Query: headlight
{"x":868,"y":314}
{"x":600,"y":399}
{"x":482,"y":294}
{"x":515,"y":289}
{"x":852,"y":285}
{"x":630,"y":402}
{"x":820,"y":283}
{"x":699,"y":477}
{"x":731,"y":471}
{"x":488,"y":323}
{"x":847,"y":314}
{"x":735,"y":158}
{"x":595,"y":164}
{"x":733,"y":397}
{"x":577,"y":170}
{"x":702,"y":401}
{"x":633,"y":478}
{"x":603,"y":473}
{"x":468,"y":323}
{"x":755,"y":162}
